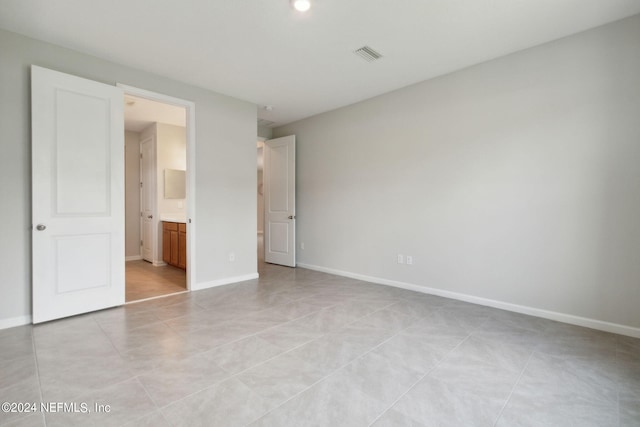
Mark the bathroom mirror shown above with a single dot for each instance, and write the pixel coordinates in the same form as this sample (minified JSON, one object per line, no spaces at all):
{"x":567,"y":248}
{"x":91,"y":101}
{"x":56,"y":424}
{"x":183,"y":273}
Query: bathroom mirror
{"x":174,"y":184}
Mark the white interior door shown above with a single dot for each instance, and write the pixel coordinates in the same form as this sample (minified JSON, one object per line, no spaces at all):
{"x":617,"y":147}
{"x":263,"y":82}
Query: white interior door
{"x":280,"y":201}
{"x":78,"y":195}
{"x":147,"y":197}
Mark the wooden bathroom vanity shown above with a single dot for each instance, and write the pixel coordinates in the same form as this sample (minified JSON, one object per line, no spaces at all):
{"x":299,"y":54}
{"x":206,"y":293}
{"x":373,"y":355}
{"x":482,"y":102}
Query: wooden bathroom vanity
{"x":174,"y":244}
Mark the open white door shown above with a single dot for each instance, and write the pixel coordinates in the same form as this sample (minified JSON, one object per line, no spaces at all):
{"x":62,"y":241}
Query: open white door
{"x":280,"y":201}
{"x":147,"y":198}
{"x":78,"y":195}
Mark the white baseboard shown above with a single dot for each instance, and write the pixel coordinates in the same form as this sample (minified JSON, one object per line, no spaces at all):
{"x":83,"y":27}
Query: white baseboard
{"x":225,"y":281}
{"x":133,"y":258}
{"x":15,"y":321}
{"x":532,"y":311}
{"x":159,"y":263}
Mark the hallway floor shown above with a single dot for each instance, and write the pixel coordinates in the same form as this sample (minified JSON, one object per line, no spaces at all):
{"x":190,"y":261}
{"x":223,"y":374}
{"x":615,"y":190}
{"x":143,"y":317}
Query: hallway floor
{"x":143,"y":280}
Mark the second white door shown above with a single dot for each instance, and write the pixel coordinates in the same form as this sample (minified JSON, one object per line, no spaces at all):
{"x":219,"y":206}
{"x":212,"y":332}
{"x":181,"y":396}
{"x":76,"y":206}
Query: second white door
{"x":147,"y":199}
{"x":280,"y":201}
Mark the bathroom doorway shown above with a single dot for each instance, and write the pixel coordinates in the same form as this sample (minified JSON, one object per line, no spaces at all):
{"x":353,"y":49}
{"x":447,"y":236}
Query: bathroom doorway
{"x":158,"y":195}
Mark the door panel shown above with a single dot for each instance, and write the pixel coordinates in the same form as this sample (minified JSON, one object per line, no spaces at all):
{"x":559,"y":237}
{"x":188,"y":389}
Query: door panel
{"x":83,"y":262}
{"x":82,"y":144}
{"x":280,"y":203}
{"x":279,"y":241}
{"x":78,"y":195}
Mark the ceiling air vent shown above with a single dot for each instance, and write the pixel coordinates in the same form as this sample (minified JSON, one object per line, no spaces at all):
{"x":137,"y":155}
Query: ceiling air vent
{"x":368,"y":54}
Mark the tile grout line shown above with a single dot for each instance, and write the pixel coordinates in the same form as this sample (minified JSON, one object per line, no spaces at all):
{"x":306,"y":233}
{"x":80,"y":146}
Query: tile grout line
{"x":515,"y":385}
{"x":35,"y":357}
{"x":135,"y":375}
{"x":619,"y":414}
{"x":137,"y":378}
{"x":278,"y":355}
{"x":118,"y":352}
{"x":438,"y":363}
{"x":272,"y":358}
{"x":346,"y":364}
{"x":90,"y":317}
{"x":85,"y":393}
{"x":226,"y":322}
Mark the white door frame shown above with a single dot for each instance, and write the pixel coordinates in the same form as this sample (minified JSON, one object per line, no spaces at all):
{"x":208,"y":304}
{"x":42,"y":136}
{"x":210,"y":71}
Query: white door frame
{"x":190,"y":108}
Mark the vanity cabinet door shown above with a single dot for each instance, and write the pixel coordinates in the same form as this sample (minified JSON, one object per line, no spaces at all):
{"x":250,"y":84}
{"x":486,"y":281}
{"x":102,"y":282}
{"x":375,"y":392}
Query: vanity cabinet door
{"x":182,"y":246}
{"x":174,"y":244}
{"x":166,"y":244}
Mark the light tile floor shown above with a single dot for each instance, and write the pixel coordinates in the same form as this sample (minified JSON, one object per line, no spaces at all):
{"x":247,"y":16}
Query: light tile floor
{"x":303,"y":348}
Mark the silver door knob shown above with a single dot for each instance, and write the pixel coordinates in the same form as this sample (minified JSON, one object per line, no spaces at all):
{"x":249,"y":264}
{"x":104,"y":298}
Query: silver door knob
{"x":41,"y":227}
{"x":292,"y":216}
{"x":150,"y":216}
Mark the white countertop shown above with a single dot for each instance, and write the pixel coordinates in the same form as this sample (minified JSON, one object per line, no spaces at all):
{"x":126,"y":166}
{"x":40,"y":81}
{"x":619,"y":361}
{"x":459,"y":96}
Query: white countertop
{"x":173,"y":218}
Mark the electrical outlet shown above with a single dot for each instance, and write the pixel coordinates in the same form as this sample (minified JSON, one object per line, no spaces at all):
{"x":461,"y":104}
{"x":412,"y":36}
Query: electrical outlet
{"x":409,"y":260}
{"x":232,"y":257}
{"x":400,"y":259}
{"x":302,"y":245}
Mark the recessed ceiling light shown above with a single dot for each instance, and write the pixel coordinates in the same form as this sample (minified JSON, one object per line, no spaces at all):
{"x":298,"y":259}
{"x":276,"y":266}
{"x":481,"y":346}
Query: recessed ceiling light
{"x":301,"y":5}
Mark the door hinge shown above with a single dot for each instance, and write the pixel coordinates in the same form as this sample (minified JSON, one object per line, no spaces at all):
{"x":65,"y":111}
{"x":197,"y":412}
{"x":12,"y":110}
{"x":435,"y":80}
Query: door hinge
{"x":141,"y":243}
{"x":140,"y":155}
{"x":140,"y":214}
{"x":140,"y":185}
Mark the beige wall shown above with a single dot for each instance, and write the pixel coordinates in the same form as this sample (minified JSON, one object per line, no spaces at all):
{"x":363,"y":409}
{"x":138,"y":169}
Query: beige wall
{"x":225,"y":214}
{"x":514,"y":182}
{"x":265,"y":132}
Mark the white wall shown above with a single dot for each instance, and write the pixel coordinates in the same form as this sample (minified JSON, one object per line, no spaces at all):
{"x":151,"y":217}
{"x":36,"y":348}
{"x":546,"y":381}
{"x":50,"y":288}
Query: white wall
{"x":132,"y":193}
{"x":171,"y":152}
{"x":516,"y":180}
{"x":265,"y":132}
{"x":225,"y":167}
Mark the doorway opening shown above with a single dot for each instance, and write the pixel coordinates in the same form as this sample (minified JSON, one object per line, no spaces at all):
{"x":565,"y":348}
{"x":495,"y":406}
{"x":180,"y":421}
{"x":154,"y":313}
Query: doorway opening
{"x":158,"y":195}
